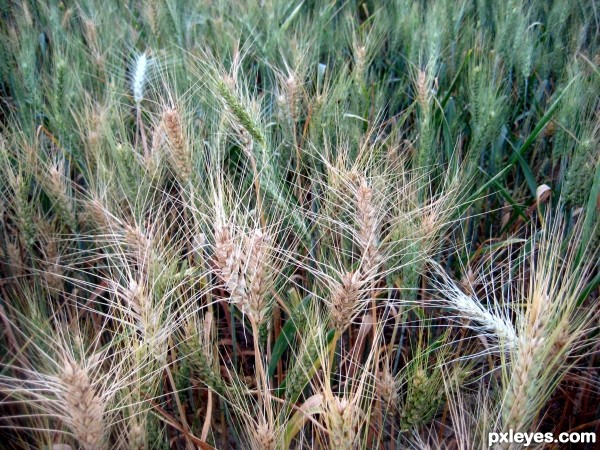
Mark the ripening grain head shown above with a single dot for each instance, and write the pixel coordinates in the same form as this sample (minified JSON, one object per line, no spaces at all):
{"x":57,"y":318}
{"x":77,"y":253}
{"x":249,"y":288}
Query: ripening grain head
{"x":139,"y":76}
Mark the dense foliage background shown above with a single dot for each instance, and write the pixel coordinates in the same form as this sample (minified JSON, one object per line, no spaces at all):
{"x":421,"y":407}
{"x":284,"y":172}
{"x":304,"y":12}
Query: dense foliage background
{"x":305,"y":224}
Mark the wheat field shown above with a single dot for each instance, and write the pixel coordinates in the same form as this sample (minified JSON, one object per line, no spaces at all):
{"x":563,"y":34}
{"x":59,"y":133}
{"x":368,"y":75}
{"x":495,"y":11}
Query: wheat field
{"x":276,"y":225}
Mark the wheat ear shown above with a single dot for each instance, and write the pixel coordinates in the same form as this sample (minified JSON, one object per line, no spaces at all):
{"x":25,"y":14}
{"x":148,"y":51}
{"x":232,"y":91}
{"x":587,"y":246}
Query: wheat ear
{"x":342,"y":419}
{"x":138,"y":77}
{"x":178,"y":150}
{"x":84,"y":408}
{"x":228,"y":258}
{"x":388,"y":390}
{"x":345,"y":299}
{"x":243,"y":265}
{"x":489,"y":322}
{"x":366,"y":217}
{"x":257,"y":257}
{"x":264,"y":437}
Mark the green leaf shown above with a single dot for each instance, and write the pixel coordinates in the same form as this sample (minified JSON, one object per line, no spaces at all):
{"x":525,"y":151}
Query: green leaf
{"x":506,"y":195}
{"x":287,"y":335}
{"x":588,"y":289}
{"x":309,"y":408}
{"x":455,"y":80}
{"x":524,"y":147}
{"x":528,"y":174}
{"x":291,"y":17}
{"x":316,"y":364}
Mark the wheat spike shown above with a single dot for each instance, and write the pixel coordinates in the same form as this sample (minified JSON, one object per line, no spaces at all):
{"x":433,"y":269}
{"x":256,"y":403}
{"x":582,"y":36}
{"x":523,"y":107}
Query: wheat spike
{"x":529,"y":361}
{"x":140,"y":304}
{"x":342,"y":419}
{"x":137,"y":241}
{"x":178,"y":150}
{"x":264,"y":437}
{"x":388,"y":391}
{"x":138,"y":79}
{"x":345,"y":299}
{"x":54,"y":271}
{"x":196,"y":342}
{"x":257,"y":255}
{"x":424,"y":396}
{"x":423,"y":91}
{"x":85,"y":409}
{"x":136,"y":436}
{"x":360,"y":56}
{"x":243,"y":266}
{"x":366,"y":217}
{"x":228,"y":257}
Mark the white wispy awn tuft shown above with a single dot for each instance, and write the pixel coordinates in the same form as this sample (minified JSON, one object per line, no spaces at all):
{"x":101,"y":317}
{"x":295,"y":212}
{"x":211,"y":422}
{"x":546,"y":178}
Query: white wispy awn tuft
{"x":138,"y":80}
{"x":494,"y":322}
{"x":490,"y":321}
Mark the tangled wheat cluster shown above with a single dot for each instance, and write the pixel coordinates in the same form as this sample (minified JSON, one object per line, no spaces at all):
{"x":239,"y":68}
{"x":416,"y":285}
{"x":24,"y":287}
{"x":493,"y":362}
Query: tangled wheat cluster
{"x":238,"y":245}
